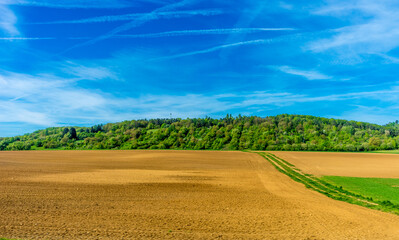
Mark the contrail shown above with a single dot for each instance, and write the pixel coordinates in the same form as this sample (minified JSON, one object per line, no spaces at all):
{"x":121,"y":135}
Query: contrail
{"x":135,"y":23}
{"x":27,"y":38}
{"x":226,"y":46}
{"x":203,"y":32}
{"x":133,"y":16}
{"x":69,"y":3}
{"x":213,"y":49}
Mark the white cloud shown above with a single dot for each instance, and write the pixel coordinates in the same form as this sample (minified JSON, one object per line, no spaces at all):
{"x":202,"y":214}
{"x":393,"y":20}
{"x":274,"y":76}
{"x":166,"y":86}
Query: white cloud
{"x":8,"y":21}
{"x":47,"y":99}
{"x":371,"y":114}
{"x":17,"y":112}
{"x":51,"y":100}
{"x":374,"y":28}
{"x":85,"y":72}
{"x":286,"y":98}
{"x":308,"y":74}
{"x":14,"y":85}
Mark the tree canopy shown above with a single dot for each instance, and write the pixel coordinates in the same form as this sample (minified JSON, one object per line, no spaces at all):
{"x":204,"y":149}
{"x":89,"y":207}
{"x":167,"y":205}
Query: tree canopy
{"x":282,"y":132}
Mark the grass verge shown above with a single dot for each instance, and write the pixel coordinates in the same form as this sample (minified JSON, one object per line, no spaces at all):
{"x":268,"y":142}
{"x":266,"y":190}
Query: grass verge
{"x":330,"y":188}
{"x":386,"y":151}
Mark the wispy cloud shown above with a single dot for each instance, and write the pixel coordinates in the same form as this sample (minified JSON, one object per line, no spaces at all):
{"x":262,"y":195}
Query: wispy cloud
{"x":186,"y":105}
{"x":216,"y":48}
{"x":215,"y":55}
{"x":8,"y":21}
{"x":85,"y":72}
{"x":374,"y":30}
{"x":308,"y":74}
{"x":47,"y":99}
{"x":70,"y":3}
{"x":50,"y":100}
{"x":287,"y":98}
{"x":132,"y":16}
{"x":373,"y":114}
{"x":20,"y":113}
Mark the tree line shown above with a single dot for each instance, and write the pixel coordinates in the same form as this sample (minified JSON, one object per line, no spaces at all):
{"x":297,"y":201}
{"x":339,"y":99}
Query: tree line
{"x":282,"y":132}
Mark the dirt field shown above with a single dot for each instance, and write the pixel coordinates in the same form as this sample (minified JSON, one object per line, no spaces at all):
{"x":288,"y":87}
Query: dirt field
{"x":170,"y":195}
{"x":377,"y":165}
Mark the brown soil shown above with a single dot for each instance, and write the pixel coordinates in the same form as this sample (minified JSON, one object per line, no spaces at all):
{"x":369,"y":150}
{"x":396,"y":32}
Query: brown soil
{"x":170,"y":195}
{"x":377,"y":165}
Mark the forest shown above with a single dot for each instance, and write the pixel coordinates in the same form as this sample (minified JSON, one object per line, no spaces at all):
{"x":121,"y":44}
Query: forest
{"x":282,"y":132}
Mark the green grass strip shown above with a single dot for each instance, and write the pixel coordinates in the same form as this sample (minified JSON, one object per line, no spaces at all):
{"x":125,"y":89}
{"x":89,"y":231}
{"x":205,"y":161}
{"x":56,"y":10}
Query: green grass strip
{"x":329,"y":188}
{"x":380,"y":189}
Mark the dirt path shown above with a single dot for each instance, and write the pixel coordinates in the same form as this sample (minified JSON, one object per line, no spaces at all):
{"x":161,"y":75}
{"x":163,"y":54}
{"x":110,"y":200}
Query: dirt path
{"x":170,"y":195}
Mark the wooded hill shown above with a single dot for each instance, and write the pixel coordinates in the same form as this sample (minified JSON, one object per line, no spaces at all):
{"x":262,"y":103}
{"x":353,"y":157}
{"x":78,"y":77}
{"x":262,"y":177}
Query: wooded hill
{"x":282,"y":132}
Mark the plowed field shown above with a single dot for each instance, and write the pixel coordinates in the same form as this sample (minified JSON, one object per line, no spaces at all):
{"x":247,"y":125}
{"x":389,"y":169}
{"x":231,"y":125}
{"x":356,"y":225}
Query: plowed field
{"x":170,"y":195}
{"x":377,"y":165}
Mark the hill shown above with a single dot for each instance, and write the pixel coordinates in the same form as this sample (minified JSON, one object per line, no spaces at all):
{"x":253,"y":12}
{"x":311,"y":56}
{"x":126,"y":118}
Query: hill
{"x":282,"y":132}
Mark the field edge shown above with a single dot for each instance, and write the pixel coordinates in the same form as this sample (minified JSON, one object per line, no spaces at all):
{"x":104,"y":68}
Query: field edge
{"x":327,"y":188}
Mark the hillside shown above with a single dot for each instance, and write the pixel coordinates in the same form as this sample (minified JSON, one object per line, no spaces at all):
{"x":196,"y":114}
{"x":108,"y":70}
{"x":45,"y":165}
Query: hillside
{"x":282,"y":132}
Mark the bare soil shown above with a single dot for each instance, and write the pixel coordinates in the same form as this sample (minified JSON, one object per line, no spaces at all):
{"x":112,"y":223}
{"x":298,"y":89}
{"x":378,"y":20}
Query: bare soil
{"x":170,"y":195}
{"x":378,"y":165}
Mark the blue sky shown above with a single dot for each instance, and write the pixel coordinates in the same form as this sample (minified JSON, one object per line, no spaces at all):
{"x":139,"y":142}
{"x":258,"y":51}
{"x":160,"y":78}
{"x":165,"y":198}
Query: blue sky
{"x":83,"y":62}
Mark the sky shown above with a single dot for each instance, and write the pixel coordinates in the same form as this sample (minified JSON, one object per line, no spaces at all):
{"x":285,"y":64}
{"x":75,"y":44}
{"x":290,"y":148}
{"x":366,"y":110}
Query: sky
{"x":85,"y":62}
